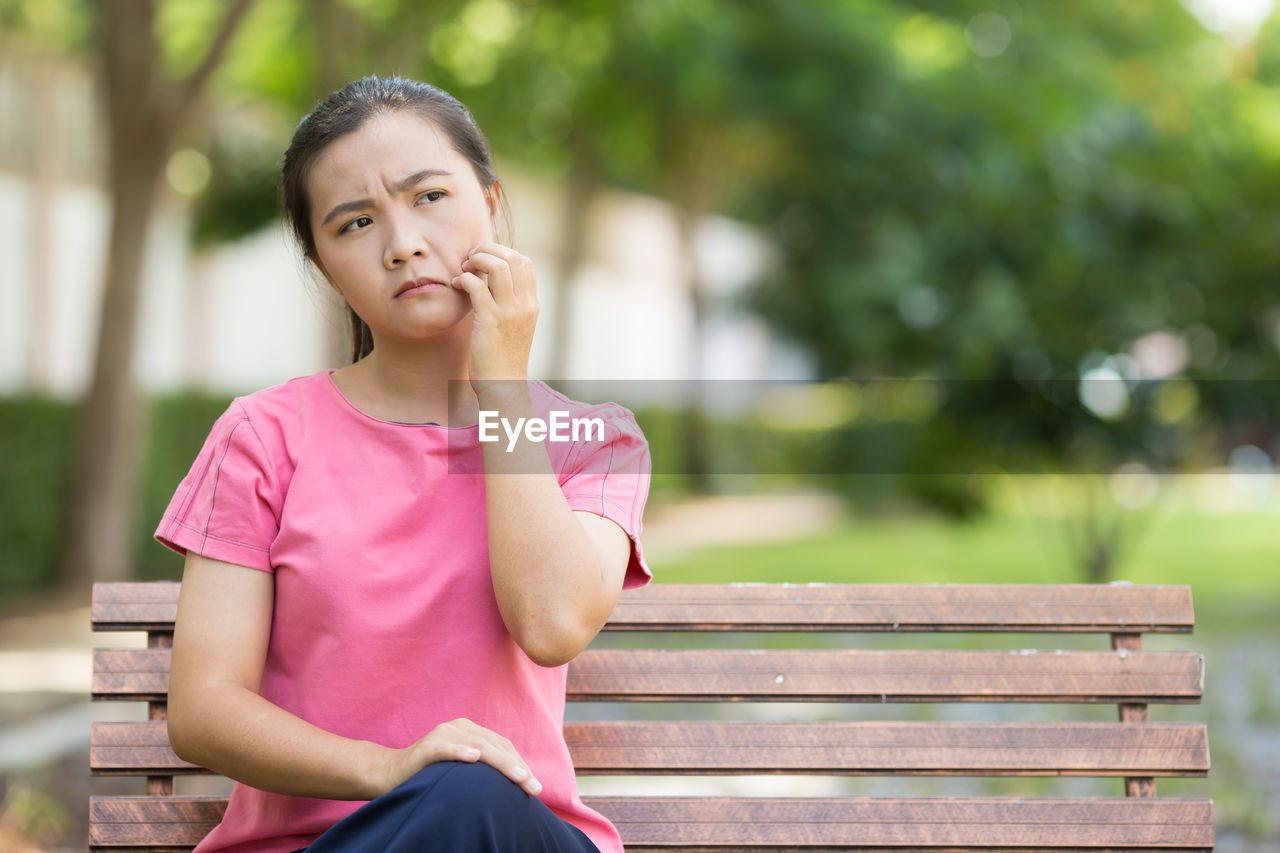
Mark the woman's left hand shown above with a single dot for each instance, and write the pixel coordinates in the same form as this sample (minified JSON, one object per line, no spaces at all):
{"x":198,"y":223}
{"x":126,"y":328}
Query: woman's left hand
{"x":504,"y":296}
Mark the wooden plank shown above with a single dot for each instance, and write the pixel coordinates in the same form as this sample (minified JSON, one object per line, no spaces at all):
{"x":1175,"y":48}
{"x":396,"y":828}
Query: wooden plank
{"x":811,"y":675}
{"x":892,"y":748}
{"x":904,"y":607}
{"x":842,"y":748}
{"x":134,"y":606}
{"x":134,"y":749}
{"x":861,"y":823}
{"x":122,"y":823}
{"x":885,"y":676}
{"x":130,"y":674}
{"x":797,"y":607}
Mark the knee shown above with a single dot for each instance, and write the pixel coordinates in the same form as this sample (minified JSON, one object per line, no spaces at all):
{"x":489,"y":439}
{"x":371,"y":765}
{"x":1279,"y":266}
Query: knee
{"x":454,"y":805}
{"x":476,"y":792}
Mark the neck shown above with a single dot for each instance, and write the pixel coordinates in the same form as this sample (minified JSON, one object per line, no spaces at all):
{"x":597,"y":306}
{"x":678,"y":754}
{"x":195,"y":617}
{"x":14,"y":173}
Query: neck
{"x":427,"y":381}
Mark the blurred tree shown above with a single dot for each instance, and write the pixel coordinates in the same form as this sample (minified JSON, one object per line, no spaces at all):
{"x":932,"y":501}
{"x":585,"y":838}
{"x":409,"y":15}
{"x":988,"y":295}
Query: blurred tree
{"x":639,"y":95}
{"x":146,"y":110}
{"x":1012,"y":194}
{"x":1001,"y":194}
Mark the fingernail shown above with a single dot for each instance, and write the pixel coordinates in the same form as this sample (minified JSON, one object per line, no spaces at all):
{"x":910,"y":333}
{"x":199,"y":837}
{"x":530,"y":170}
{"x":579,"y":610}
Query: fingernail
{"x":520,"y":774}
{"x":536,"y":786}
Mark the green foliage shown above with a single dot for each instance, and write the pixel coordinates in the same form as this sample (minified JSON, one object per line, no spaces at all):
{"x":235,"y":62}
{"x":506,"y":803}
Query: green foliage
{"x":35,"y":482}
{"x":32,"y":808}
{"x":1002,"y":193}
{"x":243,"y":198}
{"x":34,"y":489}
{"x":63,"y":25}
{"x":180,"y":423}
{"x":999,"y":194}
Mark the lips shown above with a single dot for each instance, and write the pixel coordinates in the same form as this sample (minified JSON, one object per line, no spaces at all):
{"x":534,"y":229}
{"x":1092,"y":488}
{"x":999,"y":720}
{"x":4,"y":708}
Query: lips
{"x":415,"y":286}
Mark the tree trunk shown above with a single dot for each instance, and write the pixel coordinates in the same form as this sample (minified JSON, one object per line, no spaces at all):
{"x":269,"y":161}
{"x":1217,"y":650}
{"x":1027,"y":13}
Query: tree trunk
{"x":143,"y":114}
{"x":109,"y":434}
{"x":693,"y":418}
{"x":690,"y":186}
{"x":580,"y":190}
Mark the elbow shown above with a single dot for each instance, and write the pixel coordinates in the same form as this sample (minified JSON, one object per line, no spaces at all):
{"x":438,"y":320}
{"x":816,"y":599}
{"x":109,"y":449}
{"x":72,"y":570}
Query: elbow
{"x":552,"y":644}
{"x":182,"y":722}
{"x":180,"y":737}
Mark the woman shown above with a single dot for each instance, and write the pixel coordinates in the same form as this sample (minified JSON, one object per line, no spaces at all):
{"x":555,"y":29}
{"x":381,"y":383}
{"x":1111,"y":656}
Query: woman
{"x":376,"y":604}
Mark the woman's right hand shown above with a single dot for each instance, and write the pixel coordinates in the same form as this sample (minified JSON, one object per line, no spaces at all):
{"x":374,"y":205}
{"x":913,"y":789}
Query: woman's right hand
{"x":458,"y":740}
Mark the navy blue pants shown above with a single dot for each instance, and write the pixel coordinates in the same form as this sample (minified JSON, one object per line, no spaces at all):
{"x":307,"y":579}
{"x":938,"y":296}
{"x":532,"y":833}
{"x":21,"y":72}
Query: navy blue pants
{"x":453,"y":806}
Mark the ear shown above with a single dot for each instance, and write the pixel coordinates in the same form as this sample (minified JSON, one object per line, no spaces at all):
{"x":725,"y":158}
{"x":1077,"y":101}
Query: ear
{"x":493,"y":196}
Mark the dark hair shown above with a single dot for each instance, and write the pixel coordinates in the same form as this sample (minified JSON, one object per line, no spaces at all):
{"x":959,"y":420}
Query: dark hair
{"x":343,"y":112}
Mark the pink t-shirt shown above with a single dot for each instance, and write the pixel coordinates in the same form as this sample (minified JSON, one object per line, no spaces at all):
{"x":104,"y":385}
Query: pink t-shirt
{"x":385,"y":622}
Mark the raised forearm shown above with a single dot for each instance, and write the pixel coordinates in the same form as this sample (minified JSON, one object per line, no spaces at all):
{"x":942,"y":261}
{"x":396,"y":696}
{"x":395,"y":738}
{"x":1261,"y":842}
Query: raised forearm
{"x":547,"y":576}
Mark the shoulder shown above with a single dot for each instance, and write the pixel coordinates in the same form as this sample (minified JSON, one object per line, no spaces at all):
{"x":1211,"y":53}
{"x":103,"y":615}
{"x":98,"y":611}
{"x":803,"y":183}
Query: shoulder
{"x":280,"y":415}
{"x":296,"y":394}
{"x":596,"y":439}
{"x":617,"y":418}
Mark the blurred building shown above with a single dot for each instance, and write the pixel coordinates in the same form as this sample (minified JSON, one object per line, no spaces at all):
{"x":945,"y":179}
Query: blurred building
{"x":246,"y":315}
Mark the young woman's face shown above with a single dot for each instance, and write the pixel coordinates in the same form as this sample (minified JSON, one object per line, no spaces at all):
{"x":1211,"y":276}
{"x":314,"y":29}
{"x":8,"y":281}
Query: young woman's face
{"x":393,"y":204}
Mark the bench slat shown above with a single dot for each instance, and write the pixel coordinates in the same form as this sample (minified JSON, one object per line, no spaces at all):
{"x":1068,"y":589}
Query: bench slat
{"x":880,"y":748}
{"x":884,"y":676}
{"x":818,"y":607}
{"x":843,"y":748}
{"x":815,"y":675}
{"x":859,"y":823}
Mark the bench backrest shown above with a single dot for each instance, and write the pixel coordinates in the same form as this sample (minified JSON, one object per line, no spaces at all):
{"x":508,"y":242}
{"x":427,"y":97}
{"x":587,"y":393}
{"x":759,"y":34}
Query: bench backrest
{"x":1131,"y":748}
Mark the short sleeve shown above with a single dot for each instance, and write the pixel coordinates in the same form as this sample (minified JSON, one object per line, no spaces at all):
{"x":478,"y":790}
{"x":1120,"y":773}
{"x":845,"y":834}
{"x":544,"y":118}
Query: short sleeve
{"x":227,"y":507}
{"x":610,"y":477}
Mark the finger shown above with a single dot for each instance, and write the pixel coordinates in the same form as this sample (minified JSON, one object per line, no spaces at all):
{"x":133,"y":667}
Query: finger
{"x":523,"y":277}
{"x":494,"y":248}
{"x":498,"y":273}
{"x":501,"y":754}
{"x":475,"y":287}
{"x":493,"y":749}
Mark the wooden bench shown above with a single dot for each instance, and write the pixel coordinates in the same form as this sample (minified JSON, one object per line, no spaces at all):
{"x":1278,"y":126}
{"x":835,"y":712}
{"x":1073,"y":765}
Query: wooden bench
{"x":828,"y":670}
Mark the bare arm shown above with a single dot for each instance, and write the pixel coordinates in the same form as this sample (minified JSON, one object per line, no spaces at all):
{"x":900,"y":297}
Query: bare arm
{"x":556,"y":573}
{"x":217,"y":718}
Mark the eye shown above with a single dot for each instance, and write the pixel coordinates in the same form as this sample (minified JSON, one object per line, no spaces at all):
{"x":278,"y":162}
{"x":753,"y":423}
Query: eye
{"x":438,"y":193}
{"x":348,"y":227}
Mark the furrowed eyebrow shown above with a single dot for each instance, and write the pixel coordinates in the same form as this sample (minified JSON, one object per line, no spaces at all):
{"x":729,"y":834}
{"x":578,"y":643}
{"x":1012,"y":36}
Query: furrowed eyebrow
{"x":407,"y":183}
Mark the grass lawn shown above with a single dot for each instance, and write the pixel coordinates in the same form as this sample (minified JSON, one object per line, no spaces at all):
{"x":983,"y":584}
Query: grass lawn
{"x":1231,"y":560}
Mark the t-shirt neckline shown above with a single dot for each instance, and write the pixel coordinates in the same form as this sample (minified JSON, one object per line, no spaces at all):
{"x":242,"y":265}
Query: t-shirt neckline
{"x":333,"y":386}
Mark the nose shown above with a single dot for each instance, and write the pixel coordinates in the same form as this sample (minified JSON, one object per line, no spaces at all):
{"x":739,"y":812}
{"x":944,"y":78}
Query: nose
{"x":404,"y":241}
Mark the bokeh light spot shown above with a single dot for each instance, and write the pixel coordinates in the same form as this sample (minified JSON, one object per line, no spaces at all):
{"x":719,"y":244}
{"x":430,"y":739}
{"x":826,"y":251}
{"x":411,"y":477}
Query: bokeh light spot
{"x":989,"y":34}
{"x":188,"y":171}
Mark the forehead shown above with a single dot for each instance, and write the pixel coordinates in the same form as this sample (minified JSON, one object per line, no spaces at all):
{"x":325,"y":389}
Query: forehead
{"x":382,"y":151}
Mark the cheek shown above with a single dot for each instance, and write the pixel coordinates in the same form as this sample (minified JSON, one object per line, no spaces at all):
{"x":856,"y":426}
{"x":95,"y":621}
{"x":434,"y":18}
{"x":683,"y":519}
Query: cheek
{"x":465,"y":233}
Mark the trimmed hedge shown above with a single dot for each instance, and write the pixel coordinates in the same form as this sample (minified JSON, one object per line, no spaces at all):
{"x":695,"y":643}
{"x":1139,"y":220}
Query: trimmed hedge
{"x":179,"y":425}
{"x":35,"y":442}
{"x":36,"y":435}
